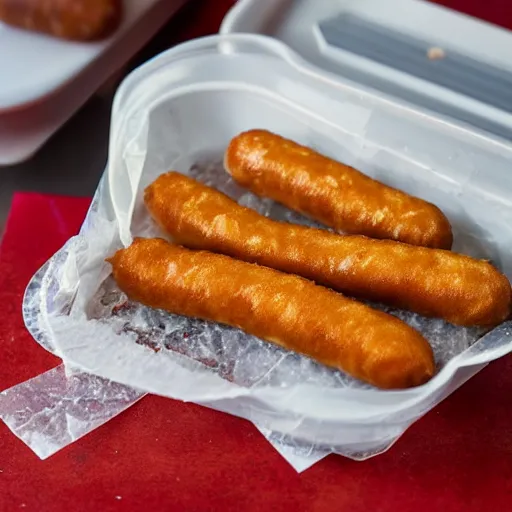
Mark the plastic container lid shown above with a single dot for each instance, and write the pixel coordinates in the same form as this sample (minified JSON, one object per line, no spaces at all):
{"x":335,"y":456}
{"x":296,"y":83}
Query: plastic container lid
{"x":424,"y":54}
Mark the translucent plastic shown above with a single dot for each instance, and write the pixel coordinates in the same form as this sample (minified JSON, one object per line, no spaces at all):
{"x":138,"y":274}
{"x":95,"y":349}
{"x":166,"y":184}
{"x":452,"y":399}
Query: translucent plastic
{"x":179,"y":112}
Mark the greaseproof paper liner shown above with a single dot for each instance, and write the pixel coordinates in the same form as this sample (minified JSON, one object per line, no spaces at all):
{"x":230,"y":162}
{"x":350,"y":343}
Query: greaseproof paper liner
{"x":58,"y":407}
{"x":233,"y":356}
{"x":179,"y":112}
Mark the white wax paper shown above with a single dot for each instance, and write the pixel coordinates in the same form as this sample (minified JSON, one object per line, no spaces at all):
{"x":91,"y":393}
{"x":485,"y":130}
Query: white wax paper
{"x":196,"y":355}
{"x":58,"y":407}
{"x":179,"y":112}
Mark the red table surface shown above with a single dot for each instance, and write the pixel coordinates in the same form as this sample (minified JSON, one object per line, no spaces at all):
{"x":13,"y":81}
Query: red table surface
{"x":167,"y":455}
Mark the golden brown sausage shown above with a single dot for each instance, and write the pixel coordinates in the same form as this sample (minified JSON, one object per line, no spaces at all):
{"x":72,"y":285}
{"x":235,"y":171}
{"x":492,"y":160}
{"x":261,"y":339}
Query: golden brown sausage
{"x":80,"y":20}
{"x":284,"y":309}
{"x":431,"y":282}
{"x":332,"y":193}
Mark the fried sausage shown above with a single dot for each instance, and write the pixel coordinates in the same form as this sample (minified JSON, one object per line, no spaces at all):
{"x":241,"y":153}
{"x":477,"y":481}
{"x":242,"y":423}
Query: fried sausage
{"x":284,"y":309}
{"x":332,"y":193}
{"x":79,"y":20}
{"x":432,"y":282}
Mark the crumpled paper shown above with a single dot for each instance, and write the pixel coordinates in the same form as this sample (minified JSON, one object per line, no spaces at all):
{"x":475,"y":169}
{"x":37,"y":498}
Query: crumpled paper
{"x":232,"y":355}
{"x":58,"y":407}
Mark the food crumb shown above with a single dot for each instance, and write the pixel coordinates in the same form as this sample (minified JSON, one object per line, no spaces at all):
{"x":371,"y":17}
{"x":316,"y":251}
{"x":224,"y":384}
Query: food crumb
{"x":118,"y":497}
{"x":436,"y":53}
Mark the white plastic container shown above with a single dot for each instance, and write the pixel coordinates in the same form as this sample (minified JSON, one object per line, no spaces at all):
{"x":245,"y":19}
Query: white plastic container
{"x":179,"y":112}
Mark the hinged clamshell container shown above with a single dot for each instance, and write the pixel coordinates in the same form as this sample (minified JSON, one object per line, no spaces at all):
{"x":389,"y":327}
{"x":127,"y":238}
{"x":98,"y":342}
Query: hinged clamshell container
{"x":179,"y":112}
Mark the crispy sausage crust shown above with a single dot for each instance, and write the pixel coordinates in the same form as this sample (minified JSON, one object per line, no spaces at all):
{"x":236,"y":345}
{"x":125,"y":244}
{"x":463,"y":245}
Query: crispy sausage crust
{"x":431,"y":282}
{"x":333,"y":193}
{"x":284,"y":309}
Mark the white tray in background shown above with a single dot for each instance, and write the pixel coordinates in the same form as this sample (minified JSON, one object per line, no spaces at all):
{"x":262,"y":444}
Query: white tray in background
{"x":44,"y":80}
